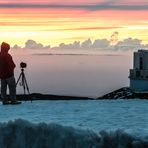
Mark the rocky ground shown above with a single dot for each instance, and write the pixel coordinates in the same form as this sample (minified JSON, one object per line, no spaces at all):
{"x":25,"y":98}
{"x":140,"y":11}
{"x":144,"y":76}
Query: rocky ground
{"x":122,"y":93}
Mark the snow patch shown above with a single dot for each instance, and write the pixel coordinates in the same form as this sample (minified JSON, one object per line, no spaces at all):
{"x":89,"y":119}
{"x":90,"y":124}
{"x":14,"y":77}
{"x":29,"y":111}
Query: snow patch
{"x":23,"y":134}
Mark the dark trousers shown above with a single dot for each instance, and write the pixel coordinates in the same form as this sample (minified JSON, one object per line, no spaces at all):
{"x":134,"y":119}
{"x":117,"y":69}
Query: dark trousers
{"x":10,"y":82}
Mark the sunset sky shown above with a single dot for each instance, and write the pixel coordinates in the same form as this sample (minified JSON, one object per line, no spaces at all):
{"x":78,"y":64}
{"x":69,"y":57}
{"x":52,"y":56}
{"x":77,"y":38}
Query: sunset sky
{"x":56,"y":21}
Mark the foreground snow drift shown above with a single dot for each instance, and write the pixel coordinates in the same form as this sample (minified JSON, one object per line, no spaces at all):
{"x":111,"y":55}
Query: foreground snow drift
{"x":23,"y":134}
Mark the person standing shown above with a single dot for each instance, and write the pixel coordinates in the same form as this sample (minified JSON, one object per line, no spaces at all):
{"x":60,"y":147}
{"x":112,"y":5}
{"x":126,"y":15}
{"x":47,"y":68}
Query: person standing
{"x":7,"y":67}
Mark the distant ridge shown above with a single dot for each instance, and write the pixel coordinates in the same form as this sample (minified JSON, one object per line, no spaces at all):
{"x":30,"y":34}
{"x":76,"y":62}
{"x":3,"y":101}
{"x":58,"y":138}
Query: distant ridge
{"x":122,"y":93}
{"x":38,"y":96}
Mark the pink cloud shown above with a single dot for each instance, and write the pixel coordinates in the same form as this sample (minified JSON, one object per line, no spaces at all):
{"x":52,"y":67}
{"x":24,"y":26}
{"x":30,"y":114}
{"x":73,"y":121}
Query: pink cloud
{"x":106,"y":2}
{"x":52,"y":1}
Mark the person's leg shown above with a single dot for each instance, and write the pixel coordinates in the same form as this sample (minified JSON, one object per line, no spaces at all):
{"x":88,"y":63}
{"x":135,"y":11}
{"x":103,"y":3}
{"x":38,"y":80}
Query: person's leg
{"x":12,"y":88}
{"x":4,"y":90}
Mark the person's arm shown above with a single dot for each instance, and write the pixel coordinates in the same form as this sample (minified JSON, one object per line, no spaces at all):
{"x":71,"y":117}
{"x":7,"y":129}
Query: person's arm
{"x":11,"y":62}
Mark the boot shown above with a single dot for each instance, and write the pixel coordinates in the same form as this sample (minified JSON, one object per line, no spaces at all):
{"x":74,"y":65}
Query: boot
{"x":14,"y":101}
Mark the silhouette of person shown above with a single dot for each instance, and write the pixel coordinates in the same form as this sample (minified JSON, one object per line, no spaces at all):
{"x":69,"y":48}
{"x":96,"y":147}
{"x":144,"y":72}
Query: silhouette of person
{"x":7,"y":75}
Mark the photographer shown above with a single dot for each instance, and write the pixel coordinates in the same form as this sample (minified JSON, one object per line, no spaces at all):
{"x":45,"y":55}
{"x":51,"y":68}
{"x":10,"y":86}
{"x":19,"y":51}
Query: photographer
{"x":7,"y":75}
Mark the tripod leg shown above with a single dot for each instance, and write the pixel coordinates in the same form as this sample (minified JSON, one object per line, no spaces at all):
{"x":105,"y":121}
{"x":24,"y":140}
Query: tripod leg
{"x":26,"y":86}
{"x":19,"y":78}
{"x":23,"y":83}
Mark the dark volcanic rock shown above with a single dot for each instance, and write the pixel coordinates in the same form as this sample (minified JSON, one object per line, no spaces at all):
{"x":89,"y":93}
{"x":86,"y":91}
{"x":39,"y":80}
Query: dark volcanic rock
{"x":122,"y":93}
{"x":38,"y":96}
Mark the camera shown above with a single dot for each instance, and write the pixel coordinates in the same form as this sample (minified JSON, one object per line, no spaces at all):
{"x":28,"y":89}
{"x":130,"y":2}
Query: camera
{"x":23,"y":65}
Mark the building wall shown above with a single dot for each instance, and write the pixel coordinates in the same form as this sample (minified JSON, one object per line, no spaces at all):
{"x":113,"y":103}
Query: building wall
{"x":139,"y":74}
{"x":145,"y":60}
{"x":139,"y":85}
{"x":136,"y":61}
{"x":144,"y":55}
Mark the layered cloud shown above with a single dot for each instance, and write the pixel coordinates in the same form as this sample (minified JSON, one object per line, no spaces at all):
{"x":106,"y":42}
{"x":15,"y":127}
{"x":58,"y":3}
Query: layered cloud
{"x":90,"y":7}
{"x":129,"y":44}
{"x":104,"y":44}
{"x":87,"y":28}
{"x":98,"y":44}
{"x":31,"y":44}
{"x":77,"y":4}
{"x":60,"y":21}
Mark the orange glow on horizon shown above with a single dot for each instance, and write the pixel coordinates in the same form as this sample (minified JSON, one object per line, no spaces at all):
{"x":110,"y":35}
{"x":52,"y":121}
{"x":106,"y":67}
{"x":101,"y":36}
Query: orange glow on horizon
{"x":55,"y":26}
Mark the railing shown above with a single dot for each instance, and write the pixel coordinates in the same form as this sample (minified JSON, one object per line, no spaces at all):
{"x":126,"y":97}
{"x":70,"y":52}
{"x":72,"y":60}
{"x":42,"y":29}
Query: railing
{"x":138,"y":74}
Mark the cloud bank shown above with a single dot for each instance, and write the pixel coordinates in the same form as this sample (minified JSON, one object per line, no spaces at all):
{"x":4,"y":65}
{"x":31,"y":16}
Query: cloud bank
{"x":31,"y":44}
{"x":98,"y":44}
{"x":91,"y":7}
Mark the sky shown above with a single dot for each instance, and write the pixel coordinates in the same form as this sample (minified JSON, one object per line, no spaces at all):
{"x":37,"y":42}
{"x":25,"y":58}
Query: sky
{"x":52,"y":22}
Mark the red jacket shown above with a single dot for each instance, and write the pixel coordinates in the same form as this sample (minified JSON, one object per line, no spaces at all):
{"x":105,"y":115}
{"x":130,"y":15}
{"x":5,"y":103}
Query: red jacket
{"x":6,"y":63}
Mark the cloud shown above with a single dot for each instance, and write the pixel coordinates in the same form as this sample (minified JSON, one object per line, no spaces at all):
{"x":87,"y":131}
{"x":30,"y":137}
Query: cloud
{"x":101,"y":43}
{"x":103,"y":6}
{"x":74,"y":45}
{"x":114,"y":38}
{"x":31,"y":44}
{"x":104,"y":44}
{"x":86,"y":44}
{"x":16,"y":47}
{"x":87,"y":28}
{"x":128,"y":44}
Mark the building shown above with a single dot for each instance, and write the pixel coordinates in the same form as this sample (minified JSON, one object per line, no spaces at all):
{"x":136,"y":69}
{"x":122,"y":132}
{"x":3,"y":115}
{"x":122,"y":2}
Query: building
{"x":139,"y":74}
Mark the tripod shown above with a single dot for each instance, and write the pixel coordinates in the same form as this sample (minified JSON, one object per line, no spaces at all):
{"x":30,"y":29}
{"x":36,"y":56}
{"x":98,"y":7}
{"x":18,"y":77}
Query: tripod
{"x":23,"y":82}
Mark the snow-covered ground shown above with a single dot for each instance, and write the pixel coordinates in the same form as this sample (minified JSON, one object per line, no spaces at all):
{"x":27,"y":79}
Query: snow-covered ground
{"x":75,"y":124}
{"x":129,"y":115}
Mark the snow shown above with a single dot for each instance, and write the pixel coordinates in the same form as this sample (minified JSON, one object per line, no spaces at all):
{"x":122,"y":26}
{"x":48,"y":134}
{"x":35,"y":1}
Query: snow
{"x":128,"y":115}
{"x":23,"y":134}
{"x":71,"y":124}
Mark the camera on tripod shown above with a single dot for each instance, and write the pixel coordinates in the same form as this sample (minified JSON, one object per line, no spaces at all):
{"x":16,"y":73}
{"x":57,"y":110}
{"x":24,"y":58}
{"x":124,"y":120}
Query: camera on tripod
{"x":22,"y":79}
{"x":23,"y":65}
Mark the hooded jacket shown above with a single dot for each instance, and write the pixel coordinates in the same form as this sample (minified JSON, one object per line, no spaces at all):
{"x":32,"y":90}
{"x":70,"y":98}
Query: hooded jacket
{"x":6,"y":63}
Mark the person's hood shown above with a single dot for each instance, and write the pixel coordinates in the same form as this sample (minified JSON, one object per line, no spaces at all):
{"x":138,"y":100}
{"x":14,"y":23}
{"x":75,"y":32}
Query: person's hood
{"x":5,"y":47}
